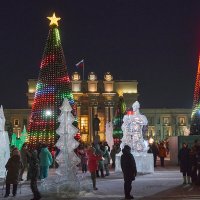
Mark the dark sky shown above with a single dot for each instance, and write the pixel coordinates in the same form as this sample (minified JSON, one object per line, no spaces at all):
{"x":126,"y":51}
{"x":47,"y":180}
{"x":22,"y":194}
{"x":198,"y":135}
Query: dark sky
{"x":155,"y":42}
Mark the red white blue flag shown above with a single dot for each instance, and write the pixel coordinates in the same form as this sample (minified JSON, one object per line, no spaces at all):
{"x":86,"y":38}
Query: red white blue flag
{"x":80,"y":64}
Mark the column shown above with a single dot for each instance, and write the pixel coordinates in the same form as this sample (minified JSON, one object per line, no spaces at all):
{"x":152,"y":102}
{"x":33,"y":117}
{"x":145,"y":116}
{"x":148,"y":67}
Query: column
{"x":107,"y":114}
{"x":94,"y":110}
{"x":90,"y":119}
{"x":111,"y":113}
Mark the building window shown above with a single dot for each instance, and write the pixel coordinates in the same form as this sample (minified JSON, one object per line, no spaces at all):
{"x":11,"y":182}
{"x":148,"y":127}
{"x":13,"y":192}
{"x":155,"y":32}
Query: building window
{"x":166,"y":120}
{"x":92,"y":87}
{"x":76,"y":87}
{"x":16,"y":122}
{"x":182,"y":120}
{"x":84,"y":124}
{"x":102,"y":124}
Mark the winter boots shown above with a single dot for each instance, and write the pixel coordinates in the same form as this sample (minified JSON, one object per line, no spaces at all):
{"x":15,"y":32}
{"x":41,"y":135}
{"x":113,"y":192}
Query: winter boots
{"x":184,"y":180}
{"x":188,"y":180}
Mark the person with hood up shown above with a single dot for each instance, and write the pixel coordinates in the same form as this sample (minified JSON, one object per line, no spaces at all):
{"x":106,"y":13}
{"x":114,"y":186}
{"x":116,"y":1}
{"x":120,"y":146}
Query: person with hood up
{"x":93,"y":164}
{"x":13,"y":167}
{"x":129,"y":170}
{"x":46,"y":160}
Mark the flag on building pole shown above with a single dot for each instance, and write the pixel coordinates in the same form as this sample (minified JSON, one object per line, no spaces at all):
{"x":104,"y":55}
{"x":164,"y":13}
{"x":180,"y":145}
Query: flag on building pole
{"x":81,"y":65}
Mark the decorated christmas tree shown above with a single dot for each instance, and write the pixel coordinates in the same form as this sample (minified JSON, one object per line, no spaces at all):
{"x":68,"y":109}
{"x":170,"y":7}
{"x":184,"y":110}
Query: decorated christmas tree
{"x":52,"y":87}
{"x":195,"y":117}
{"x":67,"y":159}
{"x":118,"y":120}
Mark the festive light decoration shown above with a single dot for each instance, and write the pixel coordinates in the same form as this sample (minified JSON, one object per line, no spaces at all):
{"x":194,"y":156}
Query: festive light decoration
{"x":19,"y":141}
{"x":54,"y":20}
{"x":52,"y":87}
{"x":195,"y":117}
{"x":118,"y":120}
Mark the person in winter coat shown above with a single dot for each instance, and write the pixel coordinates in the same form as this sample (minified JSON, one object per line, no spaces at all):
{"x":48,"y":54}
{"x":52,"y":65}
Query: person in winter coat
{"x":106,"y":157}
{"x":129,"y":170}
{"x":155,"y":152}
{"x":34,"y":173}
{"x":100,"y":152}
{"x":24,"y":159}
{"x":162,"y":154}
{"x":115,"y":150}
{"x":193,"y":160}
{"x":185,"y":163}
{"x":46,"y":160}
{"x":93,"y":165}
{"x":84,"y":159}
{"x":13,"y":168}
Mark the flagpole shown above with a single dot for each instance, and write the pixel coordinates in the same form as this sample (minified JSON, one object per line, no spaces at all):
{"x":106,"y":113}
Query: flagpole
{"x":83,"y":69}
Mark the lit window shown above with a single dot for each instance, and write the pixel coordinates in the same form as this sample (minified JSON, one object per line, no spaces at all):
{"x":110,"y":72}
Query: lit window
{"x":84,"y":124}
{"x":16,"y":122}
{"x":182,"y":120}
{"x":166,"y":120}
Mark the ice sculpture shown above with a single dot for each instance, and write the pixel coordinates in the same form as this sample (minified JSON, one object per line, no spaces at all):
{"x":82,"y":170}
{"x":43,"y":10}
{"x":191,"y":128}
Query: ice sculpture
{"x":67,"y":159}
{"x":66,"y":183}
{"x":132,"y":130}
{"x":132,"y":127}
{"x":109,"y":135}
{"x":4,"y":147}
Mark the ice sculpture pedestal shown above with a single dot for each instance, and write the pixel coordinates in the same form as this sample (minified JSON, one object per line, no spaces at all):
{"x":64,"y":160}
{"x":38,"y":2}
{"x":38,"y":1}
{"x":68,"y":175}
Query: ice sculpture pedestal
{"x":144,"y":162}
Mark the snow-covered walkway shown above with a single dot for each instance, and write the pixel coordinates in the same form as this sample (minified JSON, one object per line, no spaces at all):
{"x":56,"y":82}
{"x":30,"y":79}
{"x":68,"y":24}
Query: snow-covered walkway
{"x":165,"y":183}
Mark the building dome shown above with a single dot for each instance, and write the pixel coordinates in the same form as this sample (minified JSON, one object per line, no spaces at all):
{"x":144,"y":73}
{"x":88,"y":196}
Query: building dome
{"x":76,"y":76}
{"x":92,"y":76}
{"x":108,"y":76}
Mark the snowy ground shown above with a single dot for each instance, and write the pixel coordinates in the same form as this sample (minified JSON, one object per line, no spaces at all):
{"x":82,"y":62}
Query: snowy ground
{"x":165,"y":183}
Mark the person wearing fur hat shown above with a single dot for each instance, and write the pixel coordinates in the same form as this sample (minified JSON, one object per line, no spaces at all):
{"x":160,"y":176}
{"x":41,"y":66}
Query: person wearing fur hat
{"x":129,"y":170}
{"x":13,"y":168}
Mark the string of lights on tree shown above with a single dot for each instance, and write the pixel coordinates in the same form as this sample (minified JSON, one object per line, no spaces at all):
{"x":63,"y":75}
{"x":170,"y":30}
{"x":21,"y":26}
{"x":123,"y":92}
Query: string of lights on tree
{"x":52,"y":87}
{"x":118,"y":120}
{"x":195,"y":118}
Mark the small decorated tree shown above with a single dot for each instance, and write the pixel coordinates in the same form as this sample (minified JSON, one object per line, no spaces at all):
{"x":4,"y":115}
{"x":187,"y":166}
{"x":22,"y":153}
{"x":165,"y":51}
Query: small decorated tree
{"x":118,"y":120}
{"x":19,"y":141}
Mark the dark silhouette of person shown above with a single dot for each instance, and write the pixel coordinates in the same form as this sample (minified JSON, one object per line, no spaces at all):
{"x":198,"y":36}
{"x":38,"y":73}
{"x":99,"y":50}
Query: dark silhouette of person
{"x":96,"y":122}
{"x":129,"y":170}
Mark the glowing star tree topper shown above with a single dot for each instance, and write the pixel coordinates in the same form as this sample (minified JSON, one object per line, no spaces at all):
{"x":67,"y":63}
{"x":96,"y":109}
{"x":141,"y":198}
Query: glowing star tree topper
{"x":54,"y":20}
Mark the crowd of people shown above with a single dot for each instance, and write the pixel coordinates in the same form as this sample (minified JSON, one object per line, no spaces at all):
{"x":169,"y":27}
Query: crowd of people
{"x":36,"y":163}
{"x":160,"y":150}
{"x":98,"y":159}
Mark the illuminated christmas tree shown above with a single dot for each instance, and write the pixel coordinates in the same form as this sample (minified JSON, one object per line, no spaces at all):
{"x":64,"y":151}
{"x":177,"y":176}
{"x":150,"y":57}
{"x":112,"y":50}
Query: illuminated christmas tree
{"x":195,"y":118}
{"x":52,"y":87}
{"x":118,"y":120}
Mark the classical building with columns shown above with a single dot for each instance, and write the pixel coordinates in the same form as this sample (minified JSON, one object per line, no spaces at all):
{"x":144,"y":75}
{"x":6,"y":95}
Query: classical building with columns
{"x":100,"y":96}
{"x":94,"y":96}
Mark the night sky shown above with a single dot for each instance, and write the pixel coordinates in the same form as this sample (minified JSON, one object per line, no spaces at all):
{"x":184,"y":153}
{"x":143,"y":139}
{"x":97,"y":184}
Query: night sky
{"x":155,"y":42}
